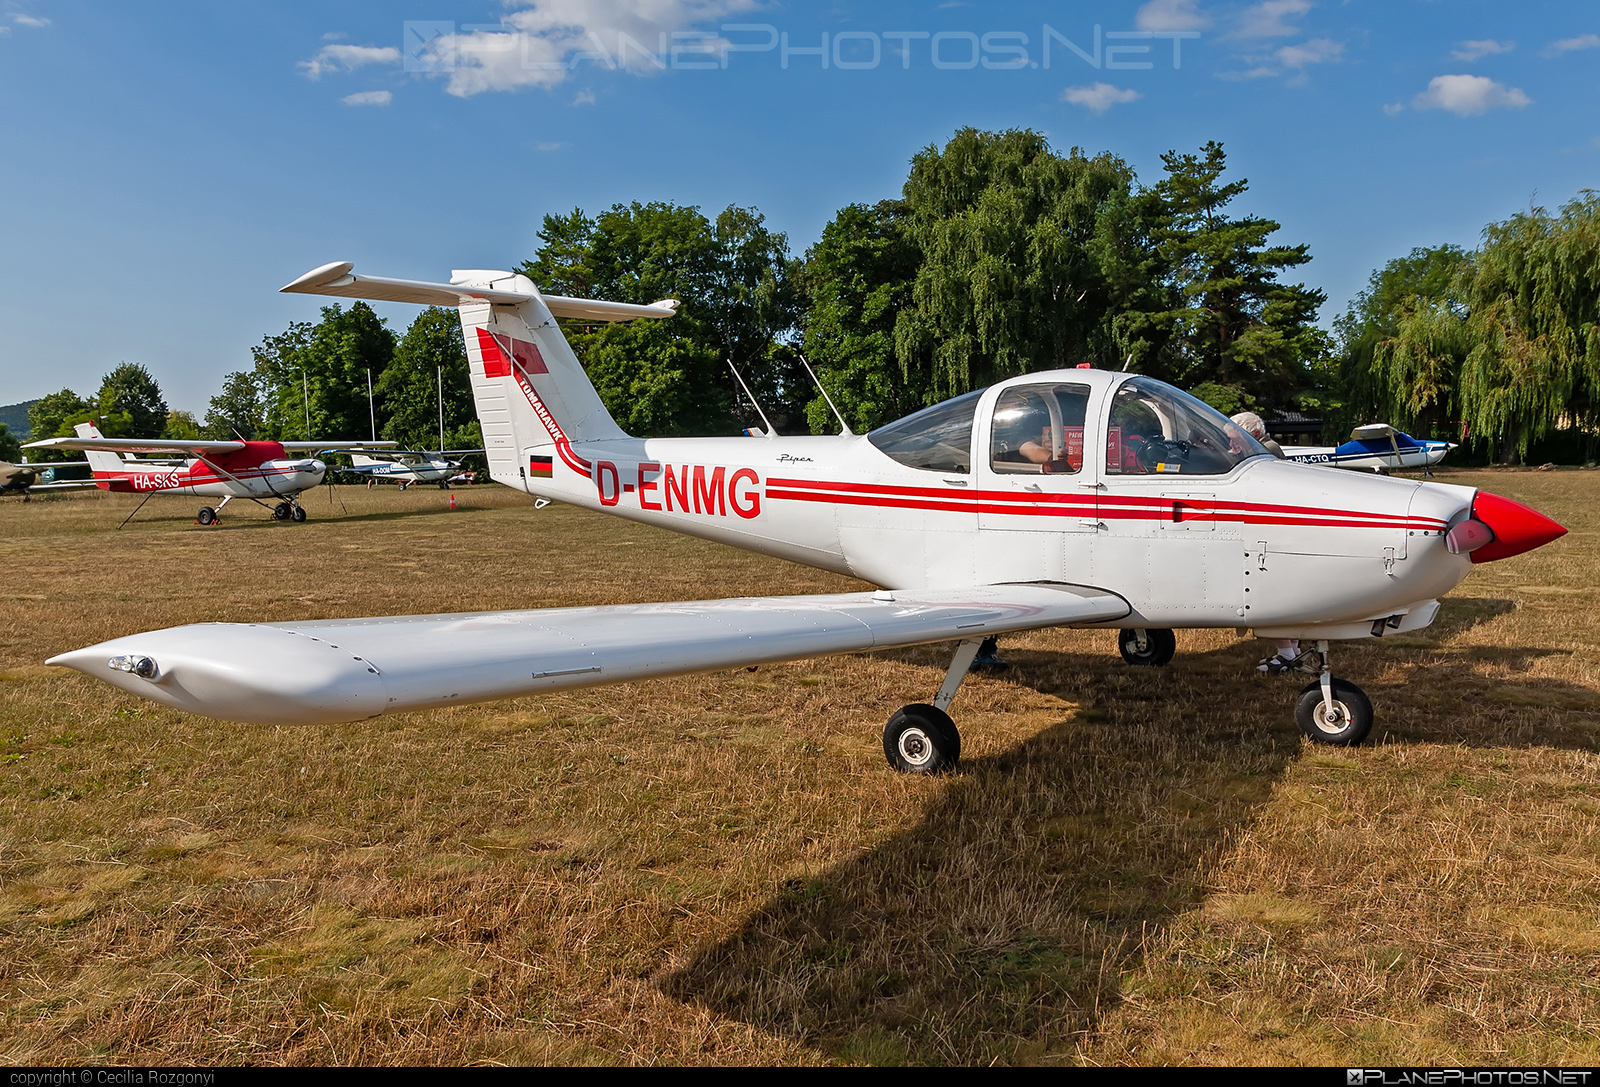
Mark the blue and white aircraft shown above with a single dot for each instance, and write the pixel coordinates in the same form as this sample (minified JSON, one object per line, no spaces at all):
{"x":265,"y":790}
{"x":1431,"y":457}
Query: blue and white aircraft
{"x":1376,"y":447}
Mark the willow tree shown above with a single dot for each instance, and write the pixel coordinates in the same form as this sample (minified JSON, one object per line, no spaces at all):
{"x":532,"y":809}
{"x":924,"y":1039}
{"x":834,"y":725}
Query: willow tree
{"x":1010,"y":279}
{"x":1516,"y":339}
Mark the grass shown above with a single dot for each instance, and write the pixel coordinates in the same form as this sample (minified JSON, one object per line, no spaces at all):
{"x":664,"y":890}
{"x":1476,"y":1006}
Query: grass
{"x":1131,"y":866}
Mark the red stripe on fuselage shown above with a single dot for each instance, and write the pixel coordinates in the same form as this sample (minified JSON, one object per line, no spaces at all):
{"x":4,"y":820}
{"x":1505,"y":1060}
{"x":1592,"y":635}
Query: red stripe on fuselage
{"x":1111,"y":507}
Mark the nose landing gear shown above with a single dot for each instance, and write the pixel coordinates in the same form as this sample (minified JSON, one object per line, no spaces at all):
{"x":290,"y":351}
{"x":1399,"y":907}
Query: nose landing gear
{"x":1333,"y":711}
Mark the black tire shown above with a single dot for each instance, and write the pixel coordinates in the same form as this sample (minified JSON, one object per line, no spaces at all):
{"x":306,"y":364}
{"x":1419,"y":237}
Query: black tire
{"x":282,"y":511}
{"x":1159,"y":646}
{"x":921,"y":739}
{"x":206,"y":515}
{"x":1352,"y":714}
{"x":297,"y":514}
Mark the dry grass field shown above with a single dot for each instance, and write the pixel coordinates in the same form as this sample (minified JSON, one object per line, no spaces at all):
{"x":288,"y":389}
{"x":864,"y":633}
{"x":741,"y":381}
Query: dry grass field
{"x":1130,"y":866}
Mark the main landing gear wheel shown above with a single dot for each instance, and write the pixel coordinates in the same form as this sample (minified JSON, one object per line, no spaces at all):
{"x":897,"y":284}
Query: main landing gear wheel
{"x":1344,"y":724}
{"x":921,"y":739}
{"x":206,"y":516}
{"x":297,"y":514}
{"x":1159,"y":646}
{"x":282,"y":511}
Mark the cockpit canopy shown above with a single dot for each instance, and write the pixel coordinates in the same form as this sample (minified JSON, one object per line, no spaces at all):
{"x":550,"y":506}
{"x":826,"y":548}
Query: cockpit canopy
{"x":1041,"y":427}
{"x":937,"y":439}
{"x":1156,"y":428}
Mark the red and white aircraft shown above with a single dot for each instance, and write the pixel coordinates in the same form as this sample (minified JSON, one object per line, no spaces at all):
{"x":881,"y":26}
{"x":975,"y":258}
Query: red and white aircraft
{"x":259,"y":471}
{"x":1079,"y":498}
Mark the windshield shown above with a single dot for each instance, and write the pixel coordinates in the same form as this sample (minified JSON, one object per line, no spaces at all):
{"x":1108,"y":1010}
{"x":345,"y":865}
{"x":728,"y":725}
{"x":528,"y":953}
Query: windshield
{"x":936,"y":439}
{"x":1156,"y":428}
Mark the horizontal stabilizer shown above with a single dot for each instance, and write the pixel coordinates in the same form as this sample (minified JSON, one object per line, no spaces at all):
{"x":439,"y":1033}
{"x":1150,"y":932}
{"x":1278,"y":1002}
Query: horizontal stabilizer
{"x":347,"y":669}
{"x":501,"y":288}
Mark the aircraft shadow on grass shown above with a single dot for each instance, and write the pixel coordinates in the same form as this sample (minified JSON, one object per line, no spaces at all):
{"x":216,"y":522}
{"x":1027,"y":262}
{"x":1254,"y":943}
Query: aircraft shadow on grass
{"x":998,"y":927}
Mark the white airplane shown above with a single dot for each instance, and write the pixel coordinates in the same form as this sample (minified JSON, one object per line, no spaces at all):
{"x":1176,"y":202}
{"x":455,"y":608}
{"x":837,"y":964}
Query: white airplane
{"x":406,"y":467}
{"x":1376,"y":447}
{"x":258,"y":471}
{"x":1080,"y":498}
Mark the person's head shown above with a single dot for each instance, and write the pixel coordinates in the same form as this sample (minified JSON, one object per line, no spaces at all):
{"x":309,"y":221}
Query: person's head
{"x":1251,"y":424}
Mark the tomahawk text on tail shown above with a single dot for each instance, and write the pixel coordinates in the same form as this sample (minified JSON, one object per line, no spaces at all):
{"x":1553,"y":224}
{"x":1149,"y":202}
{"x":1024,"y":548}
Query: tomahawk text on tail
{"x":1064,"y":498}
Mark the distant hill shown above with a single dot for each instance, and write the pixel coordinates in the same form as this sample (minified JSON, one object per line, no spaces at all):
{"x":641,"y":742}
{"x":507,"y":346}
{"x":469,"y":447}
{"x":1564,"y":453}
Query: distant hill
{"x":15,"y":416}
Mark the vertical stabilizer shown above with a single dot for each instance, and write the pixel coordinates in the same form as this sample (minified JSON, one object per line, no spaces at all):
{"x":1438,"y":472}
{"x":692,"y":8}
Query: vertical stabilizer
{"x":531,"y":390}
{"x":101,"y":461}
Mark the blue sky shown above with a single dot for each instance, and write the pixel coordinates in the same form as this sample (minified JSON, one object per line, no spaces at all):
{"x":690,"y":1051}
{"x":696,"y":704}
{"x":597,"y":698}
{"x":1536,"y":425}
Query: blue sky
{"x":164,"y":169}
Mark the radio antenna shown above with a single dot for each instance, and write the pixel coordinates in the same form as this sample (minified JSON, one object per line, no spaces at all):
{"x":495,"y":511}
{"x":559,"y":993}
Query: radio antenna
{"x":844,"y":427}
{"x":771,"y":433}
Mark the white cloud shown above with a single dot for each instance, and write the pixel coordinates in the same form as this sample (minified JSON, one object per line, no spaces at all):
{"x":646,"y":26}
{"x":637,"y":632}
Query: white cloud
{"x":1393,"y":108}
{"x":1266,"y":20}
{"x":1315,"y":51}
{"x":1469,"y":95}
{"x":541,"y":43}
{"x":1172,"y":15}
{"x":1488,"y":47}
{"x":1254,"y":73}
{"x":333,"y":58}
{"x":1099,"y":97}
{"x":583,"y":98}
{"x":1568,"y":45}
{"x":368,"y":98}
{"x":29,"y":20}
{"x":549,"y":146}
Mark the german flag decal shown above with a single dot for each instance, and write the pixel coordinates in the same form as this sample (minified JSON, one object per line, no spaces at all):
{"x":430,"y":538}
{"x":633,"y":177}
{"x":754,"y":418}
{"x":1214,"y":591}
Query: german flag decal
{"x":539,"y":467}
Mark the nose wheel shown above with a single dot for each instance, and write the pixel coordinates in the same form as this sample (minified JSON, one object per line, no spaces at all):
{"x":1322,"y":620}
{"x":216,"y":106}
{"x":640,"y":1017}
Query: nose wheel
{"x":1333,"y":711}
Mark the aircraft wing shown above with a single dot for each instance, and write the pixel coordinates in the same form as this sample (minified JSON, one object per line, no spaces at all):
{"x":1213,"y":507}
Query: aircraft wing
{"x":334,"y":447}
{"x":64,"y":485}
{"x":138,"y":445}
{"x":324,"y":671}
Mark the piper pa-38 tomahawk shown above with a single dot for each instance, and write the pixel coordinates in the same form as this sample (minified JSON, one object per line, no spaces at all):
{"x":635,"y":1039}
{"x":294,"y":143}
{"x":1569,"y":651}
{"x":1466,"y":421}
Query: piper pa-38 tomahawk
{"x":1081,"y":498}
{"x":1376,"y":447}
{"x":260,"y":471}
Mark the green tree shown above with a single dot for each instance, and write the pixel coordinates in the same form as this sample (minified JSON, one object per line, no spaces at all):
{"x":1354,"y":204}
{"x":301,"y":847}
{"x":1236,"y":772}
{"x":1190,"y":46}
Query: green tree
{"x":857,"y":279}
{"x":1011,"y":278}
{"x":47,"y":419}
{"x":409,"y":388}
{"x":131,"y":391}
{"x":181,"y":426}
{"x":733,"y":278}
{"x":1398,"y":289}
{"x":237,"y":411}
{"x":1237,"y":327}
{"x":320,"y":372}
{"x":10,"y":448}
{"x":1514,"y":339}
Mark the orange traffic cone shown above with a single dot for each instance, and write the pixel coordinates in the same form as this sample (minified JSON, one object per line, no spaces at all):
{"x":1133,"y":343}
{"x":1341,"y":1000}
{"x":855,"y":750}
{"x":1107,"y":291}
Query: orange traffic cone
{"x":452,"y":500}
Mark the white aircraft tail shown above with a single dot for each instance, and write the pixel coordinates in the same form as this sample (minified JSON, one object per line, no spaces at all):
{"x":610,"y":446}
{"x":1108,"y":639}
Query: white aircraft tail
{"x":101,"y":461}
{"x":531,"y":392}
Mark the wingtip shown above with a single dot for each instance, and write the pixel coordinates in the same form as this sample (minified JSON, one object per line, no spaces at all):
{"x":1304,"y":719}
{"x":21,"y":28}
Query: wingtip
{"x":318,"y":277}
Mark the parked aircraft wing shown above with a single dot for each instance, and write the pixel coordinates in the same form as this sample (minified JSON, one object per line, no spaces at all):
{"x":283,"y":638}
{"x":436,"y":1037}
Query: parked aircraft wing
{"x":337,"y":279}
{"x":138,"y":445}
{"x":334,"y":447}
{"x":324,"y":671}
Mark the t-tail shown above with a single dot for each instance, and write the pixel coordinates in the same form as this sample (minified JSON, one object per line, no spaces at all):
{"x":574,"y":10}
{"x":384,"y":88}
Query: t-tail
{"x":533,"y":398}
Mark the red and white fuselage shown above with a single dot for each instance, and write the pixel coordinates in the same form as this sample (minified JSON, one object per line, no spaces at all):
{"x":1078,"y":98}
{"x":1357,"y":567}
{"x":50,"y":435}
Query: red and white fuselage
{"x":258,"y":470}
